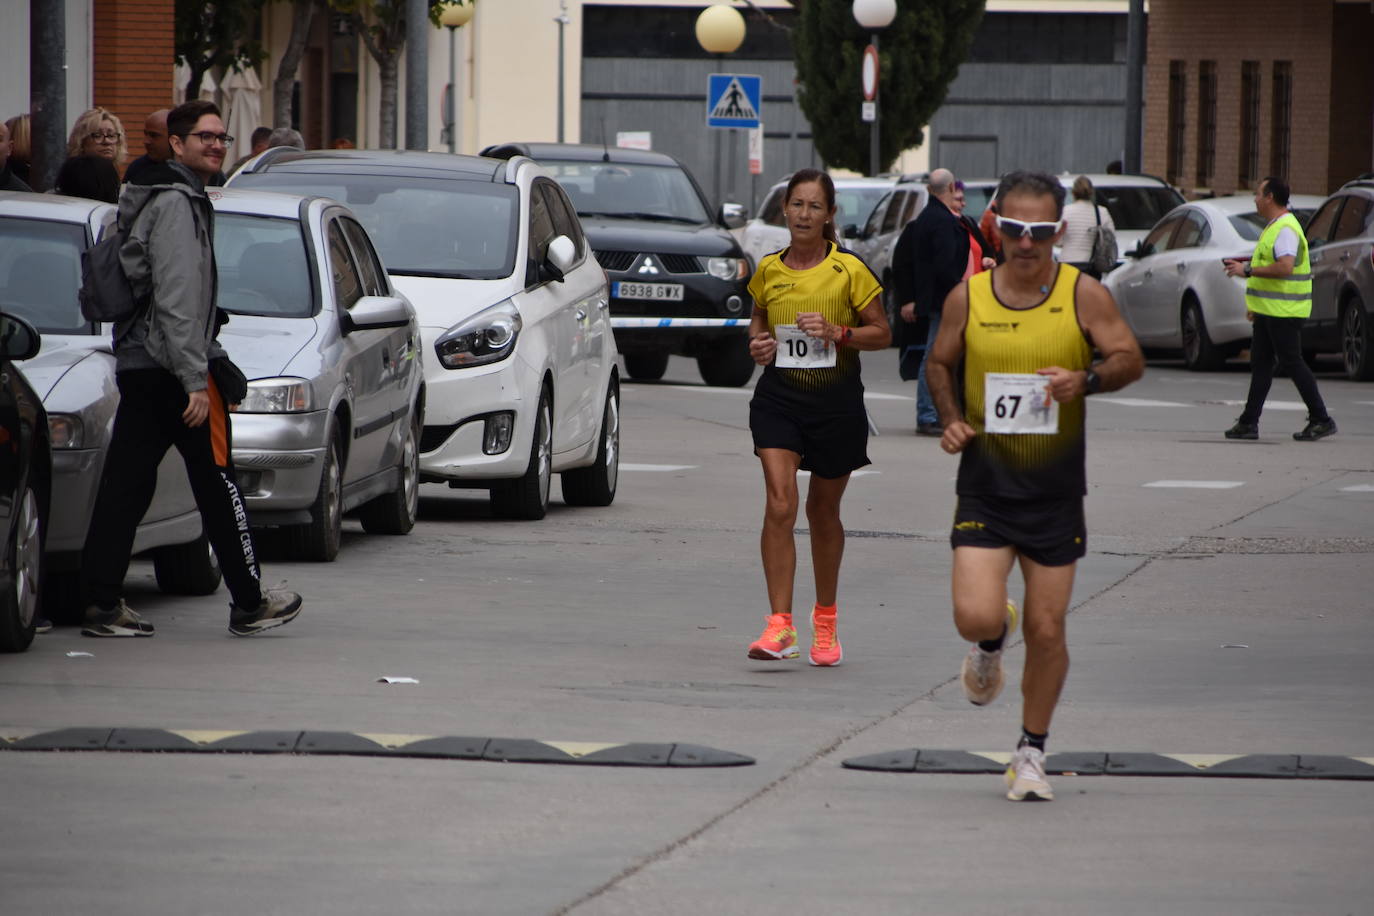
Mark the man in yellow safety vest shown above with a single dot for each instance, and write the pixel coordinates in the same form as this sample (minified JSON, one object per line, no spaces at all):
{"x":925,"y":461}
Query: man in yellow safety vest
{"x":1278,"y":298}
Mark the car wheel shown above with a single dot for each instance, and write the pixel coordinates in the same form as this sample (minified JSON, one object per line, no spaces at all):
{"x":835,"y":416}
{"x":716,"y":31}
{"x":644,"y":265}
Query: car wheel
{"x":729,"y":365}
{"x":395,"y":512}
{"x":528,"y":497}
{"x":19,"y":603}
{"x":595,"y":485}
{"x":187,"y":569}
{"x":647,"y":367}
{"x":1199,"y":353}
{"x":318,"y":541}
{"x":1357,"y":341}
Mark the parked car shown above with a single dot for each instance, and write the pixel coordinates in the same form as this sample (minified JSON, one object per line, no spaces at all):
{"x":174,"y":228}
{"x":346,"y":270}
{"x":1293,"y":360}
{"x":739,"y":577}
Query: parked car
{"x":767,"y":232}
{"x":877,"y":239}
{"x":25,"y":486}
{"x":518,"y":353}
{"x":978,"y":194}
{"x":1172,"y":289}
{"x":336,"y":399}
{"x":1340,"y":236}
{"x":1136,"y":202}
{"x":679,"y":280}
{"x":41,"y":240}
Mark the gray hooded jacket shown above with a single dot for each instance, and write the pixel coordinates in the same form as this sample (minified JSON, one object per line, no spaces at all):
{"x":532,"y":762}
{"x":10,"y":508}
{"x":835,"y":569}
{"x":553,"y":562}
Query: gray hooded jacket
{"x":170,"y":254}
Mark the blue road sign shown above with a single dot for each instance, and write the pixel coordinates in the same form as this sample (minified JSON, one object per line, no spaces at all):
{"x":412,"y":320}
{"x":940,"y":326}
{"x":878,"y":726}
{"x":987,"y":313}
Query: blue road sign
{"x":733,"y":100}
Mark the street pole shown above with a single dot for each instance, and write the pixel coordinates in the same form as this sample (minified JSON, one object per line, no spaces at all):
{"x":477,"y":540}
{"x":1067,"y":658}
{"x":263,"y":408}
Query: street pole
{"x":562,"y":20}
{"x":873,"y":129}
{"x":1135,"y":85}
{"x":417,"y":74}
{"x":452,"y":89}
{"x":47,"y":90}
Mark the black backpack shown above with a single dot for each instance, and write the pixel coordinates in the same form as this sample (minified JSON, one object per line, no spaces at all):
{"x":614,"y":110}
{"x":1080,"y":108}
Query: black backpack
{"x":106,"y":294}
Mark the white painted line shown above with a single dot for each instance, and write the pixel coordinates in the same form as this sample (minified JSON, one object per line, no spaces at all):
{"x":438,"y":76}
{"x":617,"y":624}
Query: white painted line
{"x":664,"y":468}
{"x":1137,"y":402}
{"x":1268,"y":405}
{"x":1364,"y":403}
{"x":1192,"y":484}
{"x":1359,"y":488}
{"x":852,"y":473}
{"x":882,"y":396}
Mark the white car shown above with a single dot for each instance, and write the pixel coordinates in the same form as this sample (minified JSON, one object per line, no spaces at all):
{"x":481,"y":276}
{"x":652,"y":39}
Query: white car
{"x":1172,"y":289}
{"x":1136,"y":203}
{"x":519,"y":356}
{"x":767,"y":232}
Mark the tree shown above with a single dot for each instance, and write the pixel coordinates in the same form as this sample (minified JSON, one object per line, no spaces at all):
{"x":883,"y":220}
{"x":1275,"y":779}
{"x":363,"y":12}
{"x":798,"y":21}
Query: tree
{"x":919,"y":55}
{"x":382,"y":26}
{"x":215,"y":34}
{"x":302,"y":12}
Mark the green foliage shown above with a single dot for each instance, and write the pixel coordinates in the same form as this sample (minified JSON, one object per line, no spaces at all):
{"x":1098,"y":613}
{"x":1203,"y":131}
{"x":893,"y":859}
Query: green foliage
{"x":919,"y":55}
{"x":211,"y":34}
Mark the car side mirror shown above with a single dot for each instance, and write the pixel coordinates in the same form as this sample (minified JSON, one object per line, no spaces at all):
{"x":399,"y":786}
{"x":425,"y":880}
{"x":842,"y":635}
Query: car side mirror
{"x":19,"y":340}
{"x":850,"y":231}
{"x":560,"y":258}
{"x":375,"y":312}
{"x":732,"y":215}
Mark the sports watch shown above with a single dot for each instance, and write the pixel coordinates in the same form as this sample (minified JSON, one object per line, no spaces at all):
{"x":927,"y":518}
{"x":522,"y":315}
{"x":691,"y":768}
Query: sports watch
{"x":1092,"y":381}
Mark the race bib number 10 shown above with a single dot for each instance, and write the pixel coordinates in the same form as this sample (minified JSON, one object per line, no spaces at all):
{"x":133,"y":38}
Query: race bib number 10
{"x":1018,"y":404}
{"x":797,"y":351}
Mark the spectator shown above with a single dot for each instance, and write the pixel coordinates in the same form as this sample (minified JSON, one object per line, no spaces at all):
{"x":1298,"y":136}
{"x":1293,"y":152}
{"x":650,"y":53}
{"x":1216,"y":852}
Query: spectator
{"x":257,"y":143}
{"x":21,"y":146}
{"x":286,"y":136}
{"x":1080,"y":219}
{"x":156,"y":148}
{"x":988,"y":226}
{"x":8,"y":180}
{"x":97,"y":132}
{"x":94,"y":177}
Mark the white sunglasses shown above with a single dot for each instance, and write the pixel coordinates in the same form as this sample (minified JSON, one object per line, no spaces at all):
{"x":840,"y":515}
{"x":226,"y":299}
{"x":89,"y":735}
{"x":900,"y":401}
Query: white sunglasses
{"x":1038,"y":232}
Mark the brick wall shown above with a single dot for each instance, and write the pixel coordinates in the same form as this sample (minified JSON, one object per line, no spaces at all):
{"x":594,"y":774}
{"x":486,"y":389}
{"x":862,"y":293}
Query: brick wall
{"x":1229,"y":32}
{"x":133,"y":64}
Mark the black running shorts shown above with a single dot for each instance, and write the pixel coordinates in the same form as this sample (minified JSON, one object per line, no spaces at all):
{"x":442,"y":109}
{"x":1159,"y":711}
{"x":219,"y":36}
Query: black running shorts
{"x":1050,"y":532}
{"x":831,"y":444}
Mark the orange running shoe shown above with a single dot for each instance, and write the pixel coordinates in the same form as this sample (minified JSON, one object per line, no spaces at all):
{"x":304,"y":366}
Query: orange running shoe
{"x":779,"y":640}
{"x":825,"y":644}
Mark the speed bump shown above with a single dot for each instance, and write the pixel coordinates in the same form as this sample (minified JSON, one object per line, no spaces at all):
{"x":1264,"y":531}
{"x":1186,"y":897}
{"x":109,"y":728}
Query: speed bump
{"x":354,"y":744}
{"x":1100,"y":763}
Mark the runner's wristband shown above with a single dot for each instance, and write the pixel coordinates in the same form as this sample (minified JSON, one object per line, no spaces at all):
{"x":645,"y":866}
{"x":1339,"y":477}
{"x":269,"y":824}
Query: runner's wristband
{"x":846,"y":335}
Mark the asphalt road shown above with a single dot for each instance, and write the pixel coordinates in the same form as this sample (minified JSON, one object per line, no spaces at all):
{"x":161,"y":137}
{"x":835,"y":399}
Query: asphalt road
{"x":629,"y":625}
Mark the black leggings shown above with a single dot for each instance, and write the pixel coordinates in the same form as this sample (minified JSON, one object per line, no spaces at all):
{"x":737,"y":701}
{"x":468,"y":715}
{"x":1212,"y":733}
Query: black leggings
{"x":1278,"y":343}
{"x":147,"y":423}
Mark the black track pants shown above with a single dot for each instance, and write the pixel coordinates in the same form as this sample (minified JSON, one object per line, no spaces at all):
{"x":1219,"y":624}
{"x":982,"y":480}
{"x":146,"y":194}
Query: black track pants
{"x":147,"y":423}
{"x":1277,"y":343}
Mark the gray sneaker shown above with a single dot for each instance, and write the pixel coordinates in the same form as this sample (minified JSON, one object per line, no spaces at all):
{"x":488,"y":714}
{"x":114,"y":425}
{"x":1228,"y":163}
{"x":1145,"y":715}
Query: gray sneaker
{"x":278,"y":607}
{"x":1026,"y":776}
{"x":118,"y":621}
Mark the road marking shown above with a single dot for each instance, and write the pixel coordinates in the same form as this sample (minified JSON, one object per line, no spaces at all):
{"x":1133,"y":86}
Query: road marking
{"x":1202,"y":761}
{"x":883,"y":396}
{"x":851,"y":473}
{"x":1138,"y":402}
{"x":1195,"y":484}
{"x":1268,"y":405}
{"x":657,"y":468}
{"x":1359,"y":488}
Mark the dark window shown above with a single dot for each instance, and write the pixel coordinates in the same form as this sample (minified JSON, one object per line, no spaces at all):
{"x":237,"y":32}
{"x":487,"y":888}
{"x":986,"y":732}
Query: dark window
{"x":892,"y":218}
{"x":1194,"y":232}
{"x":658,"y":31}
{"x":541,"y":233}
{"x":348,"y":287}
{"x":1281,"y":137}
{"x":40,"y":273}
{"x":1249,"y":123}
{"x":1050,"y":38}
{"x":1353,"y":219}
{"x":771,"y":212}
{"x":875,"y":219}
{"x":1178,"y":114}
{"x":564,"y":219}
{"x":1158,"y":239}
{"x":262,"y":266}
{"x":1206,"y":122}
{"x":374,"y":278}
{"x":1321,"y":226}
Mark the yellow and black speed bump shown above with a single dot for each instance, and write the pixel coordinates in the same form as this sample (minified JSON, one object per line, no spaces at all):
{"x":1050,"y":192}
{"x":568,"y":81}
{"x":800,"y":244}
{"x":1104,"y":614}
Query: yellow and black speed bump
{"x":509,"y":750}
{"x":1099,"y":763}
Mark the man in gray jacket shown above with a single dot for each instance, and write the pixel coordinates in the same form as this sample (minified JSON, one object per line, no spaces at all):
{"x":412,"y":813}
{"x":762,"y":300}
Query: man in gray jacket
{"x":167,"y":394}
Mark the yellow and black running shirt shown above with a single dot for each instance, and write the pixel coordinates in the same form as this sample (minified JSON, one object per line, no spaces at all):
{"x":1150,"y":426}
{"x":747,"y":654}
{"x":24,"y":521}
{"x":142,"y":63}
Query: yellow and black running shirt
{"x":838,"y":287}
{"x":1002,"y":339}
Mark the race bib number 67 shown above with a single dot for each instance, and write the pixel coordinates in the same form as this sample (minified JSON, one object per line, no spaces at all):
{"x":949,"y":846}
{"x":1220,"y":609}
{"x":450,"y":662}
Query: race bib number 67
{"x":1019,"y":404}
{"x":798,"y":351}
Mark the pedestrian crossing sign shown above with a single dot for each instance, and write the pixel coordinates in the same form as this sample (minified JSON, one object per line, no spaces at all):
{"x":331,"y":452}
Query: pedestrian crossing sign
{"x":733,"y":100}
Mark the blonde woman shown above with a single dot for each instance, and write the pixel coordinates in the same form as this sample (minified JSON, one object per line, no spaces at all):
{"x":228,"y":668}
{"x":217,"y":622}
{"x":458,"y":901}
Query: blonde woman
{"x":98,"y":133}
{"x":20,"y":146}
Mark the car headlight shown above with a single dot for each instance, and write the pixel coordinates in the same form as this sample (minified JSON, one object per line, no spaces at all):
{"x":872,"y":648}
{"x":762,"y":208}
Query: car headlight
{"x":64,"y":430}
{"x":277,"y":395}
{"x":487,"y":337}
{"x":727,"y":268}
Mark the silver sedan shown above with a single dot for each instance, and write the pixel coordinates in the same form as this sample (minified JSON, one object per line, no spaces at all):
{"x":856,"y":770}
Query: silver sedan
{"x":335,"y":398}
{"x":1173,"y":290}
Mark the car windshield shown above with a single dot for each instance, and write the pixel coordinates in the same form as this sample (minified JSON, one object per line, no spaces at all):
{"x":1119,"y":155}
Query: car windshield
{"x":429,"y":227}
{"x":853,"y":205}
{"x":1138,"y":208}
{"x":977,"y":198}
{"x":1250,"y":225}
{"x":262,"y":265}
{"x":40,"y":274}
{"x":661,"y":193}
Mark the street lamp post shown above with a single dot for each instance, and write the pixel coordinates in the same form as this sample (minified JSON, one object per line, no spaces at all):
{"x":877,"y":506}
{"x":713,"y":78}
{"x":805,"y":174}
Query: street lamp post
{"x":720,"y":31}
{"x":453,"y":18}
{"x":873,"y":15}
{"x":562,"y":20}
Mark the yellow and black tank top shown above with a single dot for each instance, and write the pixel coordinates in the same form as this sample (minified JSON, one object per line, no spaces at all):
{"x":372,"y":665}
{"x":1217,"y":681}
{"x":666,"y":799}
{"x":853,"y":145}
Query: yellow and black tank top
{"x":838,"y":287}
{"x":998,"y":338}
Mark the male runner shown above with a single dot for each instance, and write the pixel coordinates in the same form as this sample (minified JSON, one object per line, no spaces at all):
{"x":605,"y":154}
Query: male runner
{"x":1026,"y":332}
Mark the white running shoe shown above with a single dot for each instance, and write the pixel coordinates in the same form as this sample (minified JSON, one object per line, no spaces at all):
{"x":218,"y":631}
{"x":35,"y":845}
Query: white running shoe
{"x":1026,"y":776}
{"x":981,"y":673}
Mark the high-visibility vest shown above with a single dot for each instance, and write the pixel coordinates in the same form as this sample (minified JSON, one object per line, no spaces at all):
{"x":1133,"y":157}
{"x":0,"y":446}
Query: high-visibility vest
{"x":1287,"y":297}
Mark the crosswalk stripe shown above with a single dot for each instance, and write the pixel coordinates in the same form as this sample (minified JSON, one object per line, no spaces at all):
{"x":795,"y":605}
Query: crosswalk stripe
{"x":1195,"y":484}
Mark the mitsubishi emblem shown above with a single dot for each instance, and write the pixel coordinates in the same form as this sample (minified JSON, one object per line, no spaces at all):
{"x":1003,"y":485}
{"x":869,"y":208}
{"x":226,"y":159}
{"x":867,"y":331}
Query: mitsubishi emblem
{"x":648,"y":265}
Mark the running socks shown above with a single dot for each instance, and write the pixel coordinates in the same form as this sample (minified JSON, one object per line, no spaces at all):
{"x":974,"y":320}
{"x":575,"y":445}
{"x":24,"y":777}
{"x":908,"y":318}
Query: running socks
{"x":822,"y":609}
{"x":992,"y":645}
{"x":1030,"y":738}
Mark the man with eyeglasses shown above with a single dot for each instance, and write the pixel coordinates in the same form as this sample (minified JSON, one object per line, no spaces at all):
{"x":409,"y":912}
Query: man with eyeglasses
{"x":156,"y":146}
{"x":1020,"y":341}
{"x":168,"y":396}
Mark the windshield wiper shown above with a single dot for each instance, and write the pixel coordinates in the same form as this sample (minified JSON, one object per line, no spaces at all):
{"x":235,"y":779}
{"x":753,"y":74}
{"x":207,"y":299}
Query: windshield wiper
{"x":653,"y":217}
{"x":441,"y":274}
